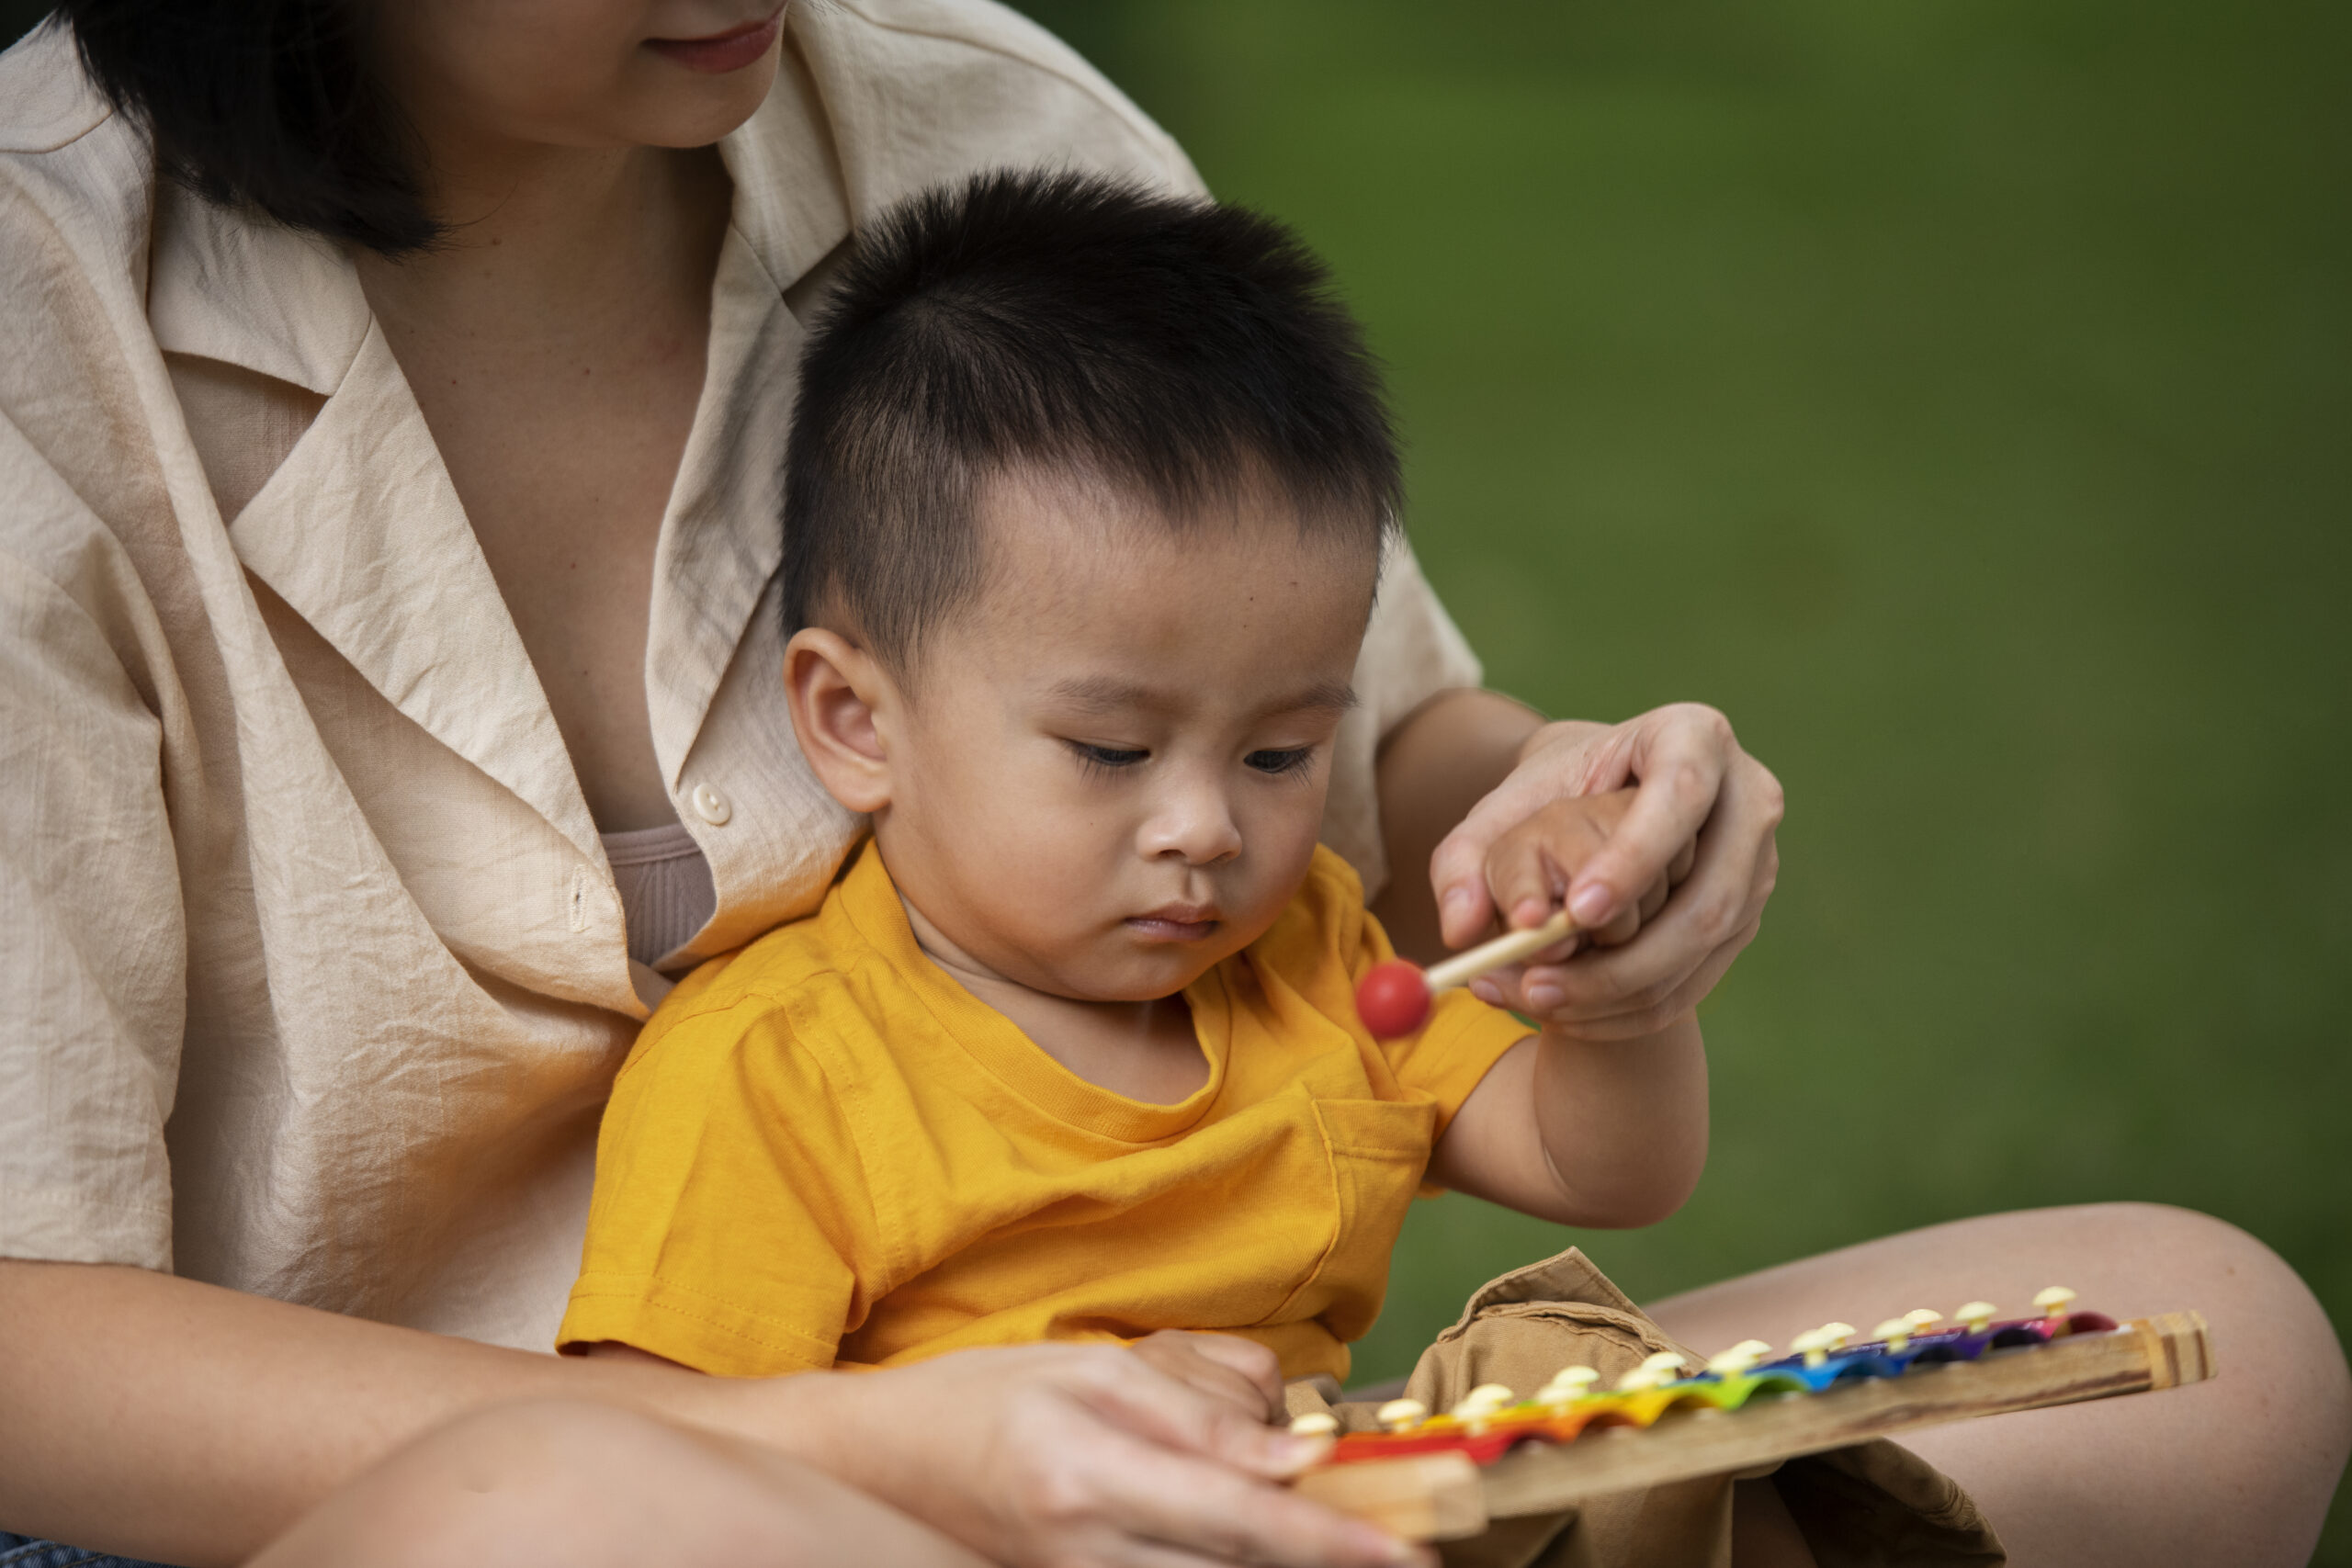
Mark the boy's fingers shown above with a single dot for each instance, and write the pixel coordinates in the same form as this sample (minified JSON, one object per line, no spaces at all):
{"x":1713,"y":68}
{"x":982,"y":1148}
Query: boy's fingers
{"x":1224,"y":1367}
{"x":1150,"y":1403}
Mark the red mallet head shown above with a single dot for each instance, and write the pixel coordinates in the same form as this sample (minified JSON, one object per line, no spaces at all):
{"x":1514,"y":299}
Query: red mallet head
{"x":1393,"y":1000}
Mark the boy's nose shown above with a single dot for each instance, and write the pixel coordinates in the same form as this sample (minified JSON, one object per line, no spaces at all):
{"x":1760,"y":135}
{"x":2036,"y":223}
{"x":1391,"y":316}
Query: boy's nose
{"x":1195,"y":826}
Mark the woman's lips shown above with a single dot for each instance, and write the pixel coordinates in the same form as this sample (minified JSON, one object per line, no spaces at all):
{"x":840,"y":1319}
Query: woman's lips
{"x":722,"y":53}
{"x":1175,"y":923}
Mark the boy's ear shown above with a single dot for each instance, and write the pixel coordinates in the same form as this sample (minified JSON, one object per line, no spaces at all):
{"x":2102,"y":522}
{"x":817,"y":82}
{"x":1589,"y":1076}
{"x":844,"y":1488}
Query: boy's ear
{"x":839,"y":697}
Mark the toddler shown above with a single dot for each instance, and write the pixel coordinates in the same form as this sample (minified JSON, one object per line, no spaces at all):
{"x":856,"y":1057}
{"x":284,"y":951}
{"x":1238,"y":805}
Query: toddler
{"x":1088,"y":493}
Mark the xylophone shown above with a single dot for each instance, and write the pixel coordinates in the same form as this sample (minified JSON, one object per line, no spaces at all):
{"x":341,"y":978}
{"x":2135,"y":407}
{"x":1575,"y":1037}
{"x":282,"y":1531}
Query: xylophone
{"x":1494,"y":1455}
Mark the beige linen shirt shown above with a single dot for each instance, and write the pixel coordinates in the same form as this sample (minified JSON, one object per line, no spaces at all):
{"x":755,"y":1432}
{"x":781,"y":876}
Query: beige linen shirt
{"x":316,"y":970}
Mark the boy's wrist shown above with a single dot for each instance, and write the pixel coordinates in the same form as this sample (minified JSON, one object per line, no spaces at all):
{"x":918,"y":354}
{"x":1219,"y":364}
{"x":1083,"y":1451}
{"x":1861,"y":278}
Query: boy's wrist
{"x":1599,"y":1034}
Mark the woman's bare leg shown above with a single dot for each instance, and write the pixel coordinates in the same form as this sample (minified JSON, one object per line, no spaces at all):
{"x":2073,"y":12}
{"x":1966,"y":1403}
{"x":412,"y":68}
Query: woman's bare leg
{"x":589,"y":1485}
{"x":2239,"y":1470}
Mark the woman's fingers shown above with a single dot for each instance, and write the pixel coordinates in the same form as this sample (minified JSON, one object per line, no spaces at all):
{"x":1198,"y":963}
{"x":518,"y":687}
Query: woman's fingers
{"x":1562,"y":760}
{"x":1626,"y":992}
{"x":1147,"y":1506}
{"x":1681,"y":757}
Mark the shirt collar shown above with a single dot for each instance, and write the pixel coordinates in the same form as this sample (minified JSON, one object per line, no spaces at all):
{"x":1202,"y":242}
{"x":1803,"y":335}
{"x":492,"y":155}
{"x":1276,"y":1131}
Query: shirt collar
{"x":227,"y":286}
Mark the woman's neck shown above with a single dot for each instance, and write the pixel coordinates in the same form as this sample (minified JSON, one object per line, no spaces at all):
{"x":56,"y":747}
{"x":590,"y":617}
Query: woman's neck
{"x":549,"y":244}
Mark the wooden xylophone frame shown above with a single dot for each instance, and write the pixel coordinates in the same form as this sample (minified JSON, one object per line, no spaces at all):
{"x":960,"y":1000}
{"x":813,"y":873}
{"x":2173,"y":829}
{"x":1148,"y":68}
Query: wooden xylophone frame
{"x":1445,"y":1496}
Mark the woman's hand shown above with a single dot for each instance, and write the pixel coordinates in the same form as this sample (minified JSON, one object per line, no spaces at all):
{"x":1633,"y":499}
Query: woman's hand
{"x":1079,"y":1454}
{"x":1674,"y":891}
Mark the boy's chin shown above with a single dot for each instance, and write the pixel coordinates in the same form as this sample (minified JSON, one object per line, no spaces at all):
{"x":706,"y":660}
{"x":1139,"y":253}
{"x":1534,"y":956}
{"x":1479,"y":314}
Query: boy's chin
{"x":1129,"y":984}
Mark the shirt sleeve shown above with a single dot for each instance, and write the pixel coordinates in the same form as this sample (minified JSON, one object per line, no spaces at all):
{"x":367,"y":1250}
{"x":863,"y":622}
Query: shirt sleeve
{"x":1411,"y":652}
{"x":730,"y":1202}
{"x":92,"y":928}
{"x":1449,"y":1055}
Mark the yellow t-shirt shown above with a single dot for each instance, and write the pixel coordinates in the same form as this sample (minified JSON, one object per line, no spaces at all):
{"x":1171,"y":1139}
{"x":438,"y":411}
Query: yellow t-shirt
{"x":824,"y":1149}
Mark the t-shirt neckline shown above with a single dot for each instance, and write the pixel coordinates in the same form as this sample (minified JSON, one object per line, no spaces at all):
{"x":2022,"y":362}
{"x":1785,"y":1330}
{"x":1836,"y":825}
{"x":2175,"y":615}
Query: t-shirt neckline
{"x":996,"y":1043}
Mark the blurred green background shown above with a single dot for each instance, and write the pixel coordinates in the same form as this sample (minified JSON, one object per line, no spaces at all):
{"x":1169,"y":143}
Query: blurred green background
{"x":1958,"y":395}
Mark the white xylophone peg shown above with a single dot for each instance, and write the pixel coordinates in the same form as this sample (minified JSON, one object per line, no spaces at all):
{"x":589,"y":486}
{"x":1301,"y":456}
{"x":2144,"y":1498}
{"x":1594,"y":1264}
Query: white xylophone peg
{"x":2055,"y":1301}
{"x":1920,"y":1318}
{"x":1402,"y":1414}
{"x":1896,"y":1331}
{"x":1654,"y":1371}
{"x":1976,"y":1315}
{"x":1320,"y":1424}
{"x":1816,"y":1343}
{"x":1738,"y":1359}
{"x":1481,"y":1404}
{"x":1568,"y":1385}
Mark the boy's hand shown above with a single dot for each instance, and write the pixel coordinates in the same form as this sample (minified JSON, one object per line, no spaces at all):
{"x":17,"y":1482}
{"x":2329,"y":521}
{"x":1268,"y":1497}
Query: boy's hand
{"x":1222,"y":1366}
{"x":1699,"y":824}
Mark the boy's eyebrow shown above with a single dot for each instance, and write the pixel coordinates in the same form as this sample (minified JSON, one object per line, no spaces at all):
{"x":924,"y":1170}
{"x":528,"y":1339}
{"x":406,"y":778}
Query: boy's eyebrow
{"x":1105,"y":693}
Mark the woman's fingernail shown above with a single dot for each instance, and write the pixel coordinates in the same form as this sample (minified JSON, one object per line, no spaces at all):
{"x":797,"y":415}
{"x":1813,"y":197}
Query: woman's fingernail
{"x":1590,"y":906}
{"x":1543,"y":998}
{"x":1488,"y":992}
{"x":1458,"y":900}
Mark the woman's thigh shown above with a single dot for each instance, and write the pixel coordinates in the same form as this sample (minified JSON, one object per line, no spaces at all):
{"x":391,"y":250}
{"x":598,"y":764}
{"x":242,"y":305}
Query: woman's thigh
{"x":2239,"y":1470}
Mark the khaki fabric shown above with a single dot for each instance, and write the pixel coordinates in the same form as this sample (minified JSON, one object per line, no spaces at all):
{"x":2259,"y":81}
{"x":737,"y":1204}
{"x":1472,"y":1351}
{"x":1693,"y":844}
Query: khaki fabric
{"x":1875,"y":1503}
{"x":316,"y":973}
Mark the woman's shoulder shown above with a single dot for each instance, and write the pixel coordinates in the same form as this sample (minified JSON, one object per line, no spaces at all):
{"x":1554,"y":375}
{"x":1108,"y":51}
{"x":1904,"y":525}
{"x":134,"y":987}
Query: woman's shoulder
{"x":76,"y":179}
{"x":47,"y":102}
{"x":921,"y":91}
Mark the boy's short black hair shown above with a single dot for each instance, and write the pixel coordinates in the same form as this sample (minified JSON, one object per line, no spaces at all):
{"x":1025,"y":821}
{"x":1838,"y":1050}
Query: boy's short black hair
{"x":274,"y":105}
{"x":1179,"y":351}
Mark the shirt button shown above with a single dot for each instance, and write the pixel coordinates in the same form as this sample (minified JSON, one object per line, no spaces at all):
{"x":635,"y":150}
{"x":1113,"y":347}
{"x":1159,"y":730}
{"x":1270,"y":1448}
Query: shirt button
{"x":712,"y":806}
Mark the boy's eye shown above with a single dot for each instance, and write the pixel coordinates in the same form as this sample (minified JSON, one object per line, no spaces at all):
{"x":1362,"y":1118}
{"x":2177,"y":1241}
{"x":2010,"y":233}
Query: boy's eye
{"x":1288,"y":761}
{"x":1107,"y":757}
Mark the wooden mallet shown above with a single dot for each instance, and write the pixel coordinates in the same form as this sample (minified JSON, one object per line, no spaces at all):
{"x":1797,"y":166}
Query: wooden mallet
{"x":1393,"y":998}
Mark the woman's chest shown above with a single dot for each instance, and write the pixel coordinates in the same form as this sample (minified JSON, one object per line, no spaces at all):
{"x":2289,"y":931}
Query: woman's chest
{"x":564,"y":465}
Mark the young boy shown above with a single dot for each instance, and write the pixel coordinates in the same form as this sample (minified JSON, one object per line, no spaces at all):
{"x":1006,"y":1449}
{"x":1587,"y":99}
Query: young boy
{"x":1087,"y":495}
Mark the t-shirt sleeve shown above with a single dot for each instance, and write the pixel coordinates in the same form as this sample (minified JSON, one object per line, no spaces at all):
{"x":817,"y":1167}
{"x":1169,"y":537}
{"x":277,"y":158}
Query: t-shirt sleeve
{"x":1464,"y":1037}
{"x":1411,"y":652}
{"x":730,"y":1202}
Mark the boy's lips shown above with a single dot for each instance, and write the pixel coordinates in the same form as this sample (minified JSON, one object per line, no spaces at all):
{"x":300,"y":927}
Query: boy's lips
{"x":722,"y":53}
{"x":1176,"y":922}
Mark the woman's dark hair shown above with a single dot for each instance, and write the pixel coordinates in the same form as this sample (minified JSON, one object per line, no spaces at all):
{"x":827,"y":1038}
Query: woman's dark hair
{"x":272,"y":104}
{"x":1180,"y":350}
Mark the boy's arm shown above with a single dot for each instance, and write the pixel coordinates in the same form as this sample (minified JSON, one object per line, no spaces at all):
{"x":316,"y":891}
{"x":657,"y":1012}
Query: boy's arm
{"x":1583,"y":1124}
{"x":1585,"y":1133}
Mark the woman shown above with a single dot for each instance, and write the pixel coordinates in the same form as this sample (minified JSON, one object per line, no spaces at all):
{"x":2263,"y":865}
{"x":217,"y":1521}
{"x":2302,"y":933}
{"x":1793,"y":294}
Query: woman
{"x":390,"y":555}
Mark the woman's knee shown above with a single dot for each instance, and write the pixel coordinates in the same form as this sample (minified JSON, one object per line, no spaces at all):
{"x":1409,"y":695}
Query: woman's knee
{"x":588,"y":1485}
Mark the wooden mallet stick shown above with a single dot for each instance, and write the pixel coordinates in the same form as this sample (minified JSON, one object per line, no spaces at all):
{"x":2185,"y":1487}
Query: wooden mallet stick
{"x":1393,"y":998}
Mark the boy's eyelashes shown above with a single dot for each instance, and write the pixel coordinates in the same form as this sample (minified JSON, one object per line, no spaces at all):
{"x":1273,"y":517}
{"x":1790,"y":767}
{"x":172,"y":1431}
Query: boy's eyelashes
{"x":1272,"y":762}
{"x":1278,"y":763}
{"x":1106,"y":758}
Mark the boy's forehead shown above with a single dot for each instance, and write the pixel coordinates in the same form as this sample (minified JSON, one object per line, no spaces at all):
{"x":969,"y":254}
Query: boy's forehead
{"x":1048,"y":537}
{"x":1132,"y":600}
